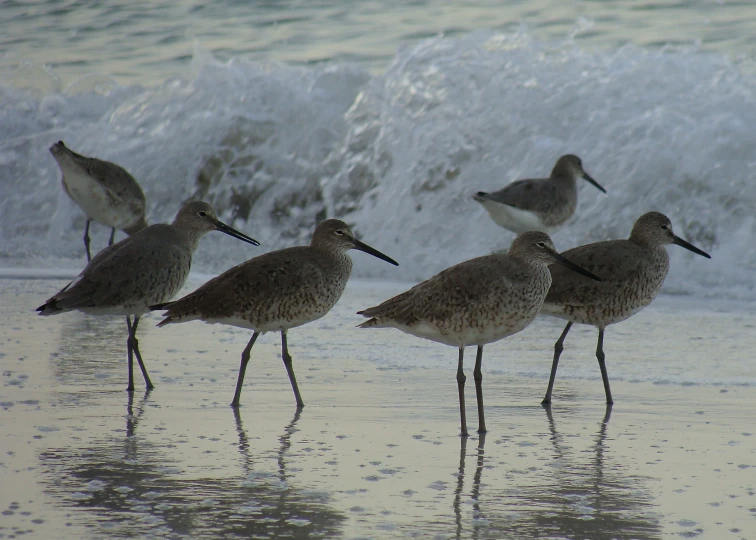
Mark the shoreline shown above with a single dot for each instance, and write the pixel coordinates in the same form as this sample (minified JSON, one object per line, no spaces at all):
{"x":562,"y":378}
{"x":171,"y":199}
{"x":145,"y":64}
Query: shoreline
{"x":375,"y":453}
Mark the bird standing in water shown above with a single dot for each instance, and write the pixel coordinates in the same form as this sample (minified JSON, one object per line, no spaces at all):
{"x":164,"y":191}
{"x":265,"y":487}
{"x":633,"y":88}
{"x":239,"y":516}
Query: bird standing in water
{"x":632,"y":274}
{"x":276,"y":292}
{"x":144,"y":269}
{"x":476,"y":302}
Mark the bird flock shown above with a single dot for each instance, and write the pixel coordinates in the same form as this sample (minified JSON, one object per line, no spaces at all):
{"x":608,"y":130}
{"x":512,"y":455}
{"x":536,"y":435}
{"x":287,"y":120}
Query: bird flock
{"x":473,"y":303}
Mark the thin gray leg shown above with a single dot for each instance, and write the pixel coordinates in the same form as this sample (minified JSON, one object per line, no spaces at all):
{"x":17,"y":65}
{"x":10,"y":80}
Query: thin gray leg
{"x":558,"y":348}
{"x":147,"y":381}
{"x":112,"y":236}
{"x":130,"y":352}
{"x":86,"y":241}
{"x":290,"y":369}
{"x":478,"y":376}
{"x":243,"y":368}
{"x":461,"y":388}
{"x":602,"y":366}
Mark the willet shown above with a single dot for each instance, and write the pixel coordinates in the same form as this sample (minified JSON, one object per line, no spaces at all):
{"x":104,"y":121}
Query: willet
{"x":475,"y":303}
{"x":106,"y":192}
{"x":632,"y":273}
{"x":542,"y":204}
{"x":276,"y":292}
{"x":146,"y":268}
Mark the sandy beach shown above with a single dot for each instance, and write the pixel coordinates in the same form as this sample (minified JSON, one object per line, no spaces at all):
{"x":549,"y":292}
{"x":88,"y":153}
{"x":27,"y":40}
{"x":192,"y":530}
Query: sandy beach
{"x":375,"y":453}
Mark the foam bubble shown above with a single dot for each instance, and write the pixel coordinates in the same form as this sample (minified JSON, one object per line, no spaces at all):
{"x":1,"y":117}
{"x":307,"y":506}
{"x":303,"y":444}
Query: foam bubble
{"x":277,"y":148}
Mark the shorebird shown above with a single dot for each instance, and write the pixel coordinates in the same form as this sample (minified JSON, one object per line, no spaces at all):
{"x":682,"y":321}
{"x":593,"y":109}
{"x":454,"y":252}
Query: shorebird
{"x":149,"y":267}
{"x":542,"y":204}
{"x":106,"y":192}
{"x":632,"y":273}
{"x":475,"y":303}
{"x":276,"y":292}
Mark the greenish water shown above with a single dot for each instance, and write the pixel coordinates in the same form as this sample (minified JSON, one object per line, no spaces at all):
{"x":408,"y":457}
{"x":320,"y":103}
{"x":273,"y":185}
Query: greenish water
{"x":148,"y":42}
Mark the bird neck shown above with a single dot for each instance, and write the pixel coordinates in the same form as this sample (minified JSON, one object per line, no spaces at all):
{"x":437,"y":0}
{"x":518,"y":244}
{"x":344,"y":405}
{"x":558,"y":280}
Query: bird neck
{"x":190,"y":238}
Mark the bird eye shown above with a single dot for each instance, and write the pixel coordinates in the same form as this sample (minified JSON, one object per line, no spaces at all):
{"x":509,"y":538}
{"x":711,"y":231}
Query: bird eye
{"x":202,"y":213}
{"x":541,"y":244}
{"x":664,"y":227}
{"x":339,"y":232}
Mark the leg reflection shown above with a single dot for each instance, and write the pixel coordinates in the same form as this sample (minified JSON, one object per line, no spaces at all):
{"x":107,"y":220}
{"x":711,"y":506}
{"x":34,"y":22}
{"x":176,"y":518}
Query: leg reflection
{"x":476,"y":479}
{"x":460,"y":483}
{"x":132,"y":420}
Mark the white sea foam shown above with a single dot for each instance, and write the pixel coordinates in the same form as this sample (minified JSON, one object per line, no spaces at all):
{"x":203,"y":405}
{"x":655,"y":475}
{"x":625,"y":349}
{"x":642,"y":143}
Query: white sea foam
{"x":276,"y":148}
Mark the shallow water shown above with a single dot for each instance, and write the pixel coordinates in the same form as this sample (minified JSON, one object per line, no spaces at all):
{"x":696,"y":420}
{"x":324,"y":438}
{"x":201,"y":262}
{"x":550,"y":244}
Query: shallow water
{"x":375,"y":453}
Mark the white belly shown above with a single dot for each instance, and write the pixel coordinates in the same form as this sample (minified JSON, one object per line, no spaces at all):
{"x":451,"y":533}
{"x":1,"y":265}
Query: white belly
{"x":97,"y":202}
{"x":467,"y":337}
{"x":513,"y":219}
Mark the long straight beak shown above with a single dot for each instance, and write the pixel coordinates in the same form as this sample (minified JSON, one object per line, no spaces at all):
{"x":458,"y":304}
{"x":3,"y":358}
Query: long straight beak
{"x":690,"y":247}
{"x":374,"y":252}
{"x":222,"y":227}
{"x":561,"y":259}
{"x":590,"y":179}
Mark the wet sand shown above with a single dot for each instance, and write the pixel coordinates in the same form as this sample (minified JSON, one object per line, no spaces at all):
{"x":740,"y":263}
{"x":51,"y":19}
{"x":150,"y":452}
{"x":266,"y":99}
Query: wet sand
{"x":375,"y":453}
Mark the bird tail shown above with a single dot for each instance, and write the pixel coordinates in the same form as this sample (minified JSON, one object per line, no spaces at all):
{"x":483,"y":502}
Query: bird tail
{"x":480,"y":196}
{"x":370,"y":323}
{"x":161,"y":307}
{"x":50,"y":307}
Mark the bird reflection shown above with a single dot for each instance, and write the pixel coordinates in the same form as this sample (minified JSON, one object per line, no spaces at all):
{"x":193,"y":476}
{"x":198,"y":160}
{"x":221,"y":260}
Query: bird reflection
{"x":568,"y":499}
{"x":284,"y":443}
{"x":283,"y":502}
{"x":135,"y":486}
{"x":582,"y":500}
{"x":475,"y":492}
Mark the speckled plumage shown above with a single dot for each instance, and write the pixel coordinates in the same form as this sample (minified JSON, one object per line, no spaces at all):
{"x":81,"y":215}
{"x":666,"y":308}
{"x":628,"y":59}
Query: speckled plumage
{"x":276,"y":291}
{"x":474,"y":303}
{"x":541,"y":204}
{"x":106,"y":192}
{"x":632,"y":272}
{"x":273,"y":292}
{"x":146,"y":268}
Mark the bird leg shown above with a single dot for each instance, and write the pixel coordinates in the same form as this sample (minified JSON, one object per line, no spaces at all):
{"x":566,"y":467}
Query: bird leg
{"x":602,"y":366}
{"x":86,"y":242}
{"x":290,"y":369}
{"x":130,"y":352}
{"x":112,"y":236}
{"x":135,"y":347}
{"x":243,"y":368}
{"x":558,"y":348}
{"x":478,"y":376}
{"x":461,"y":387}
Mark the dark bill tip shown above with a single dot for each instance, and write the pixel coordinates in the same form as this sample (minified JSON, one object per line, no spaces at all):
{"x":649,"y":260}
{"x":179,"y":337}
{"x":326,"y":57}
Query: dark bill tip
{"x":374,"y":252}
{"x":690,"y":247}
{"x":222,"y":227}
{"x":590,"y":180}
{"x":560,"y":259}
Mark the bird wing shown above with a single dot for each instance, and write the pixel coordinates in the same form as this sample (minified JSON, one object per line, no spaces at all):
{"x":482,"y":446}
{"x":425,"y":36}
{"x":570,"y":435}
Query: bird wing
{"x":529,"y":194}
{"x":114,"y":178}
{"x":613,"y":261}
{"x":453,"y":291}
{"x":259,"y":284}
{"x":141,"y":268}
